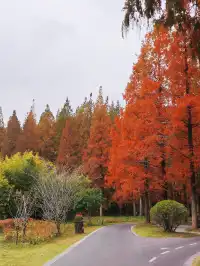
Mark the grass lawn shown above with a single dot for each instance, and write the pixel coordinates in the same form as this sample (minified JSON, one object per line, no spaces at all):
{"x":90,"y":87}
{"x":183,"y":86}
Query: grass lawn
{"x":149,"y":230}
{"x":196,"y":262}
{"x":37,"y":255}
{"x":108,"y":220}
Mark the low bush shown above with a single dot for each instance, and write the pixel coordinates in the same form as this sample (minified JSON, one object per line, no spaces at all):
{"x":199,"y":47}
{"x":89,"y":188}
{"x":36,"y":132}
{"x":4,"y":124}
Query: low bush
{"x":168,"y":214}
{"x":37,"y":231}
{"x":78,"y":218}
{"x":6,"y":223}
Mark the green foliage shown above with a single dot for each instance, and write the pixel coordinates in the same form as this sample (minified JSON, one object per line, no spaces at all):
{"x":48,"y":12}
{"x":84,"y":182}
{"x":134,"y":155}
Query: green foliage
{"x":91,"y":200}
{"x":169,"y":214}
{"x":18,"y":172}
{"x":4,"y":197}
{"x":21,"y":169}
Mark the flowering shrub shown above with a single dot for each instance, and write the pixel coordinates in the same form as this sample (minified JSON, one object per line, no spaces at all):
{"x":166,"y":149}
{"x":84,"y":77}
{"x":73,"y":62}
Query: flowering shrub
{"x":6,"y":223}
{"x":10,"y":223}
{"x":37,"y":231}
{"x":78,"y":217}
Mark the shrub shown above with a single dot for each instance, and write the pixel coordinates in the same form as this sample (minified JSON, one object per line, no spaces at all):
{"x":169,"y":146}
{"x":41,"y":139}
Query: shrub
{"x":91,"y":199}
{"x":21,"y":170}
{"x":78,"y":218}
{"x":168,"y":214}
{"x":4,"y":196}
{"x":6,"y":223}
{"x":37,"y":231}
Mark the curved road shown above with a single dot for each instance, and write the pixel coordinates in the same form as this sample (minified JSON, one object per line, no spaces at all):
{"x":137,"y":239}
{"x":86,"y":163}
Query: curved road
{"x":116,"y":246}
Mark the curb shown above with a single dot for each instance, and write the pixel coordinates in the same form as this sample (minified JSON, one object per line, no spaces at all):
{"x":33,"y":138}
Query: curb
{"x":50,"y":262}
{"x":132,"y":231}
{"x":190,"y":260}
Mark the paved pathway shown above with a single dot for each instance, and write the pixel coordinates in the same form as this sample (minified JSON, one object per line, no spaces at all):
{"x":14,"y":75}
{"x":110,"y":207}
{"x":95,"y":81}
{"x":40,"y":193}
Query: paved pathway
{"x":116,"y":246}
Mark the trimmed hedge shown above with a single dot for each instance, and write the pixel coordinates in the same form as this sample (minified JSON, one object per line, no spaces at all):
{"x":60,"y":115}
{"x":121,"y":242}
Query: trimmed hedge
{"x":168,"y":214}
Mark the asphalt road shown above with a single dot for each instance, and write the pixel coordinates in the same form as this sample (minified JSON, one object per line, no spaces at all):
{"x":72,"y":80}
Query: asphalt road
{"x":116,"y":246}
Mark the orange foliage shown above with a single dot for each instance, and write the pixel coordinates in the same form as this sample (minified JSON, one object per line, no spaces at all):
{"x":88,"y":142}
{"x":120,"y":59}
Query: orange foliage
{"x":37,"y":231}
{"x":29,"y":137}
{"x":96,"y":155}
{"x":47,"y":135}
{"x":156,"y":143}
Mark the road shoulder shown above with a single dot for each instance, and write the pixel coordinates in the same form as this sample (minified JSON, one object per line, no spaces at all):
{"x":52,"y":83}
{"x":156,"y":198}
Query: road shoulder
{"x":191,"y":259}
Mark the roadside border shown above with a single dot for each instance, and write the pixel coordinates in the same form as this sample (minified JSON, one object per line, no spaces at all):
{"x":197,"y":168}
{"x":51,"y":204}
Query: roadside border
{"x":190,"y":260}
{"x":132,"y":230}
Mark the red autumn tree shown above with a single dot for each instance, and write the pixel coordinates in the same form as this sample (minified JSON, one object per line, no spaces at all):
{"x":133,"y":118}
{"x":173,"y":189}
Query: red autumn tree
{"x":69,"y":154}
{"x":83,"y":119}
{"x":75,"y":137}
{"x":12,"y":134}
{"x":47,"y":135}
{"x":140,"y":152}
{"x":184,"y":86}
{"x":159,"y":142}
{"x":61,"y":118}
{"x":96,"y":155}
{"x":29,"y":137}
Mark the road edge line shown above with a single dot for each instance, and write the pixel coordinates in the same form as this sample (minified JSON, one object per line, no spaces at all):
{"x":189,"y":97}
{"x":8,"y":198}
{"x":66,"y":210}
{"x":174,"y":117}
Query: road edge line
{"x":132,"y":231}
{"x":70,"y":248}
{"x":190,"y":260}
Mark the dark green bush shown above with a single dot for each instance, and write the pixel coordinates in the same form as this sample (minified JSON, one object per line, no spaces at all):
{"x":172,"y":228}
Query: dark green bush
{"x":168,"y":214}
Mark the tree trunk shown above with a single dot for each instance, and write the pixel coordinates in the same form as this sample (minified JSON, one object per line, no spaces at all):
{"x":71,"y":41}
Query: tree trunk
{"x":89,"y":217}
{"x":134,"y":208}
{"x":170,"y":191}
{"x":150,"y":204}
{"x":58,"y":229}
{"x":192,"y":169}
{"x":185,"y":201}
{"x":189,"y":209}
{"x":17,"y":236}
{"x":163,"y":170}
{"x":190,"y":139}
{"x":141,"y":207}
{"x":197,"y":199}
{"x":120,"y":209}
{"x":147,"y":209}
{"x":24,"y":232}
{"x":101,"y":211}
{"x":194,"y":207}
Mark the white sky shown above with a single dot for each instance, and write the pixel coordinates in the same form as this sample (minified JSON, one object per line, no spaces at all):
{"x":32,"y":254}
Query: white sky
{"x":51,"y":49}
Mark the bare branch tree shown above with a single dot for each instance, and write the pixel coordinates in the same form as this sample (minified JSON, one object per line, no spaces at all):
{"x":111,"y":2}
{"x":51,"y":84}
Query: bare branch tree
{"x":59,"y":193}
{"x":24,"y":203}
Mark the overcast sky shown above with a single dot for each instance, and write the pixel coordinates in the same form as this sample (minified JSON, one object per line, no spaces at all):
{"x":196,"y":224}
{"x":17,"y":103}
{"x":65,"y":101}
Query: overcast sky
{"x":51,"y":49}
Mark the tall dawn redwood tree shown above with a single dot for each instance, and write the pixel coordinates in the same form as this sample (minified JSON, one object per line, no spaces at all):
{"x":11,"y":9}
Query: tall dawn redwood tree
{"x":61,"y":118}
{"x":29,"y":137}
{"x":184,"y":88}
{"x":11,"y":136}
{"x":96,"y":155}
{"x":69,"y":155}
{"x":75,"y":137}
{"x":47,"y":135}
{"x":137,"y":157}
